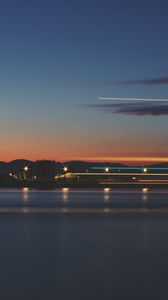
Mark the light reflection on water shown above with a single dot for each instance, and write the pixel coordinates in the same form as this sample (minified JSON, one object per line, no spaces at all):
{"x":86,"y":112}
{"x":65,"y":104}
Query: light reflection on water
{"x":72,"y":257}
{"x":100,"y":198}
{"x":145,"y":194}
{"x":65,"y":195}
{"x":73,"y":244}
{"x":106,"y":195}
{"x":144,"y":198}
{"x":25,"y":194}
{"x":106,"y":198}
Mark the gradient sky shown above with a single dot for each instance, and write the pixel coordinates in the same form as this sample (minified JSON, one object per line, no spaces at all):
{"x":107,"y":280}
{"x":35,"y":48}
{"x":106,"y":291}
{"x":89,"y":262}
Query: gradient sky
{"x":58,"y":56}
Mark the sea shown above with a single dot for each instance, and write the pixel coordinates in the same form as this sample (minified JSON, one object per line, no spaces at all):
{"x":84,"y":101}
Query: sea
{"x":93,"y":244}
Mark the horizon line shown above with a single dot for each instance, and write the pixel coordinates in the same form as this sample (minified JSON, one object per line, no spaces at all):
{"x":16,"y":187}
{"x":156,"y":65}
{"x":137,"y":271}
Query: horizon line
{"x":109,"y":159}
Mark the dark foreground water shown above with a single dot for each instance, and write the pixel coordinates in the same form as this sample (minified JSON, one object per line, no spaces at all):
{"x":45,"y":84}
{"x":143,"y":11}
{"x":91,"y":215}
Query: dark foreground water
{"x":75,"y":256}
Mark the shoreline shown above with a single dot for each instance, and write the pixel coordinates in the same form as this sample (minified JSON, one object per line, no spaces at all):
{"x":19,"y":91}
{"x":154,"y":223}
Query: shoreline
{"x":55,"y":185}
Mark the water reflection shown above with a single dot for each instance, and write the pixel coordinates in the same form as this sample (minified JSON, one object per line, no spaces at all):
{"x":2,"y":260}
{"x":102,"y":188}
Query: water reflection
{"x":106,"y":210}
{"x":145,"y":194}
{"x":106,"y":195}
{"x":25,"y":194}
{"x":102,"y":198}
{"x":25,"y":210}
{"x":65,"y":194}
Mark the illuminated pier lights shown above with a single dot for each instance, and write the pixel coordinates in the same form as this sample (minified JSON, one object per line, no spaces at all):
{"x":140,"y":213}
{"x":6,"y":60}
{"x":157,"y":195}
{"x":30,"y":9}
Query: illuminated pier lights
{"x":107,"y":169}
{"x":65,"y":169}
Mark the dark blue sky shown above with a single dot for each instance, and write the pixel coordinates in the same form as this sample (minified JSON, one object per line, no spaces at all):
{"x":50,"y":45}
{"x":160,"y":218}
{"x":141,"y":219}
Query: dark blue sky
{"x":57,"y":57}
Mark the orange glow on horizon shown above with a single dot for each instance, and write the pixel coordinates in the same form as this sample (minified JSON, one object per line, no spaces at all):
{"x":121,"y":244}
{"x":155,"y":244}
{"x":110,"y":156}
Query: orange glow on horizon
{"x":63,"y":148}
{"x":127,"y":159}
{"x":120,"y":159}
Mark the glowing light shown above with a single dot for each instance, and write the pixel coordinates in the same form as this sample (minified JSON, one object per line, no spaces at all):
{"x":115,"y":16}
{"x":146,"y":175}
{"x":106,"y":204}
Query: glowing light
{"x":25,"y":194}
{"x":26,"y":168}
{"x":134,"y":99}
{"x":107,"y":169}
{"x":130,"y":168}
{"x":145,"y":170}
{"x":10,"y":174}
{"x":65,"y":194}
{"x":25,"y":189}
{"x":145,"y":190}
{"x":106,"y":190}
{"x":65,"y":190}
{"x":106,"y":195}
{"x":65,"y":168}
{"x":123,"y":174}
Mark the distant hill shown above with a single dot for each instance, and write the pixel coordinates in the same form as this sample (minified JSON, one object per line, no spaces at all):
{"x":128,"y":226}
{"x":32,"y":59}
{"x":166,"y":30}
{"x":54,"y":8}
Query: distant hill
{"x":17,"y":165}
{"x":81,"y":166}
{"x":161,"y":165}
{"x":14,"y":166}
{"x":3,"y":167}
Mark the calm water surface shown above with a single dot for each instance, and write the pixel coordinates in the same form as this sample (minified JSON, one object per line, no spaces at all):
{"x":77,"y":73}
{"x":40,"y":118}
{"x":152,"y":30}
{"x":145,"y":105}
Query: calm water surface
{"x":67,"y":198}
{"x":83,"y":256}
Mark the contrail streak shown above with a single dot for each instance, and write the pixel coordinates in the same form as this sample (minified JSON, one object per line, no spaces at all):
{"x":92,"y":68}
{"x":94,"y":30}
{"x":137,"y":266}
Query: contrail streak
{"x":133,"y":99}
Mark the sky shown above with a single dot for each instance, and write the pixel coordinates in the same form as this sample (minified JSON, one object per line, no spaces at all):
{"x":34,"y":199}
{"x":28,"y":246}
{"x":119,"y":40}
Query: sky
{"x":58,"y":56}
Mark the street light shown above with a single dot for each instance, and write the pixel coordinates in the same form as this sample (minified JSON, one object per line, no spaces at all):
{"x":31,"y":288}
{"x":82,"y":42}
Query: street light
{"x":65,"y":169}
{"x":145,"y":170}
{"x":25,"y":169}
{"x":107,"y":169}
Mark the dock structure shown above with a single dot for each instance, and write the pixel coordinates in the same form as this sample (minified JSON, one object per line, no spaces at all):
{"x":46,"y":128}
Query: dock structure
{"x":111,"y":178}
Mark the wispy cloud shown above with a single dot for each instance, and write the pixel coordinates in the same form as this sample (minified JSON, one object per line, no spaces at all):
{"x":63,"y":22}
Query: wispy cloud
{"x":145,"y":81}
{"x":150,"y":81}
{"x":137,"y":109}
